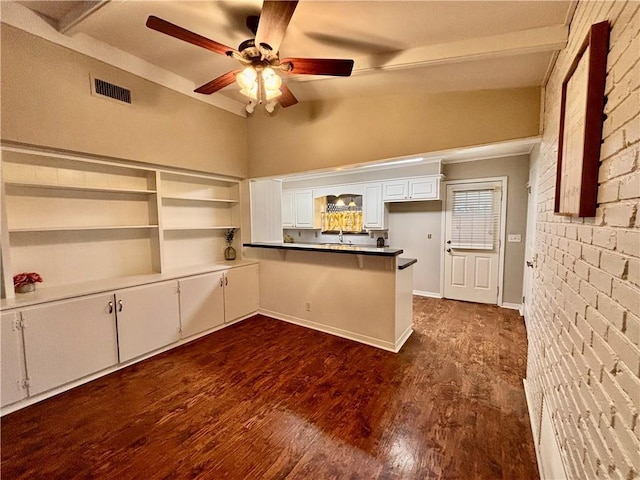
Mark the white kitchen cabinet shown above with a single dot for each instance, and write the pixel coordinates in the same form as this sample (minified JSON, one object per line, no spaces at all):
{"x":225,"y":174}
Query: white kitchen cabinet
{"x":411,"y":189}
{"x":14,"y":374}
{"x":297,"y":209}
{"x":148,"y":318}
{"x":201,"y":303}
{"x":68,"y":340}
{"x":241,"y":294}
{"x":373,"y":207}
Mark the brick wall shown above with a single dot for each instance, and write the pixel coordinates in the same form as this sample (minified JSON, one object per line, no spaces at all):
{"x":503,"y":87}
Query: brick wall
{"x":584,"y":331}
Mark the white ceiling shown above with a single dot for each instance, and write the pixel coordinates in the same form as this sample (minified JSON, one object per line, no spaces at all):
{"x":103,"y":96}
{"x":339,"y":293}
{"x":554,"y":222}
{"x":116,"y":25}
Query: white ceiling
{"x":398,"y":46}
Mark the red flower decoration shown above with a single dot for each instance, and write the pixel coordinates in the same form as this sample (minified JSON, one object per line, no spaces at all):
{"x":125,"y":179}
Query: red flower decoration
{"x":25,"y":278}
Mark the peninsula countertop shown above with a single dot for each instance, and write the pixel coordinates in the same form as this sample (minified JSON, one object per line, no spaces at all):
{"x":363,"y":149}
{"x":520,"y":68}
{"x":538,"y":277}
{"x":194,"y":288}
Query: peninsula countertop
{"x":330,"y":247}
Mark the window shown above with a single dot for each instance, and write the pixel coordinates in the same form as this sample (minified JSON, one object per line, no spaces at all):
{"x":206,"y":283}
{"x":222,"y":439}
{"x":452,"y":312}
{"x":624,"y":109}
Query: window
{"x":475,"y":219}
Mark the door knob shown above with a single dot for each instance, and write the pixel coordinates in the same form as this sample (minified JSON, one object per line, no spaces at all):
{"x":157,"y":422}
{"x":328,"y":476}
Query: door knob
{"x":448,"y":250}
{"x":449,"y":242}
{"x":529,"y":264}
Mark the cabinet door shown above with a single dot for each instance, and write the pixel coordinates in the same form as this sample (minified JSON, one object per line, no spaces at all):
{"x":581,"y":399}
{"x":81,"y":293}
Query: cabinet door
{"x":287,"y":209}
{"x":395,"y":190}
{"x":240,"y":292}
{"x":201,"y":303}
{"x":266,"y":211}
{"x":372,"y":206}
{"x":303,"y":205}
{"x":13,"y":372}
{"x":424,"y":188}
{"x":148,"y":318}
{"x":68,"y":340}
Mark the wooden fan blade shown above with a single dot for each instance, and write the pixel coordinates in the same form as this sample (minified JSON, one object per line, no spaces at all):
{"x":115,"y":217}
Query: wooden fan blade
{"x":287,"y":98}
{"x":218,"y":83}
{"x":183,"y":34}
{"x":273,"y":23}
{"x":319,"y":66}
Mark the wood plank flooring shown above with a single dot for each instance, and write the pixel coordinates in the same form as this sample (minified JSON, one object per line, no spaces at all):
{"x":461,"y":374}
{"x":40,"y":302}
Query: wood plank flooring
{"x":264,"y":399}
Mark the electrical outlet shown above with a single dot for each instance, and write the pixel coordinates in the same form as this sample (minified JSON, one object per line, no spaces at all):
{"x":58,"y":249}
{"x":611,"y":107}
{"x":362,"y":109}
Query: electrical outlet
{"x":307,"y":306}
{"x":428,"y":236}
{"x":514,"y":237}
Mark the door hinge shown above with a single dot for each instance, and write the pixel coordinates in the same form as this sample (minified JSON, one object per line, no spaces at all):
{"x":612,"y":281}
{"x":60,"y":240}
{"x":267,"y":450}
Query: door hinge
{"x":523,"y":299}
{"x":24,"y":384}
{"x":177,"y":289}
{"x":19,"y":323}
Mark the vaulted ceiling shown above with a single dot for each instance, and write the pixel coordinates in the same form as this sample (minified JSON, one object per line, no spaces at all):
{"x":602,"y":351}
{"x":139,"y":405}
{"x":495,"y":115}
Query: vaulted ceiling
{"x":399,"y":47}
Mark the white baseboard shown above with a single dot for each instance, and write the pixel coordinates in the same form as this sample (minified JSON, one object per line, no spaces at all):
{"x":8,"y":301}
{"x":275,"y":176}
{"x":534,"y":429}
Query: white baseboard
{"x":512,"y":306}
{"x":422,"y":293}
{"x":548,"y":456}
{"x":356,"y":337}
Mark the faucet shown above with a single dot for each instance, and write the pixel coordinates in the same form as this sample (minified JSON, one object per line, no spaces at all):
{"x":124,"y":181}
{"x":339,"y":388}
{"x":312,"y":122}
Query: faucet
{"x":340,"y":237}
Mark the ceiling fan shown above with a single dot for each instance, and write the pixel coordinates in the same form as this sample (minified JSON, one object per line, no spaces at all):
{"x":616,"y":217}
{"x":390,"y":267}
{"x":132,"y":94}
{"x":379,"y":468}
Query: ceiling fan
{"x":259,"y":57}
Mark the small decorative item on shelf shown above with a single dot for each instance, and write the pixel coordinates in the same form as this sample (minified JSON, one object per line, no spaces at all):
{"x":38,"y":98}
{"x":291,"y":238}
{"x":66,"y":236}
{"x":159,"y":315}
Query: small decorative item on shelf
{"x":26,"y":282}
{"x":229,"y":252}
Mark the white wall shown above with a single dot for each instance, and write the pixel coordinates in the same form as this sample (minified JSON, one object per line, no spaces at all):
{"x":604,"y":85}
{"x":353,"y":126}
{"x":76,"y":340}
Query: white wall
{"x":409,"y":226}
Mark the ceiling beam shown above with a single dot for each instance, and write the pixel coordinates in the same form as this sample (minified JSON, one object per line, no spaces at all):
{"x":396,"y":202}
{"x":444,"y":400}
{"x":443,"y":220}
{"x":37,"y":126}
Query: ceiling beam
{"x":543,"y":39}
{"x":79,"y":13}
{"x":535,"y":40}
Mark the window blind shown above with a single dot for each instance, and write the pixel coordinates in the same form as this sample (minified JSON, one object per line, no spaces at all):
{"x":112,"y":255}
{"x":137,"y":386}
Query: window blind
{"x":475,"y":219}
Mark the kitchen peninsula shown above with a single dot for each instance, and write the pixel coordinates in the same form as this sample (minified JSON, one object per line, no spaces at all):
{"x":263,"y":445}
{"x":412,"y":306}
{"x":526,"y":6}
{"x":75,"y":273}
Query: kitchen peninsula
{"x":356,"y":292}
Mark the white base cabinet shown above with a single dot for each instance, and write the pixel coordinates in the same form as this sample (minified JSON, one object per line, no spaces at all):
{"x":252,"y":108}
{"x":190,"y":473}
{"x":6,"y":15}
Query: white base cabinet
{"x":148,"y":318}
{"x":241,"y":295}
{"x":201,"y":303}
{"x":14,"y":374}
{"x":68,"y":340}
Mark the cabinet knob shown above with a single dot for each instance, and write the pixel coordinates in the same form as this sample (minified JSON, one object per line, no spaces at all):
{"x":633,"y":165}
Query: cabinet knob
{"x":226,"y":281}
{"x":110,"y":307}
{"x":120,"y":305}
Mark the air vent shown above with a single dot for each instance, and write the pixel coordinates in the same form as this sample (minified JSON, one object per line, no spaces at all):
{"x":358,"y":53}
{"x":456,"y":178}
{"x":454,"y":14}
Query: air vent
{"x":110,"y":90}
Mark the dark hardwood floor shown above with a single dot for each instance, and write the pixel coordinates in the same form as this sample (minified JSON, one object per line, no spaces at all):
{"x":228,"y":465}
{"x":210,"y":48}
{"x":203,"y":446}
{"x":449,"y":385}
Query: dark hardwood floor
{"x":266,"y":399}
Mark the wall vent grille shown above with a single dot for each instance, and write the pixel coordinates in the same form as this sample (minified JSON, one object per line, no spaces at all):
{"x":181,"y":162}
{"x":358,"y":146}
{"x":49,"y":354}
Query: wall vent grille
{"x":106,"y":89}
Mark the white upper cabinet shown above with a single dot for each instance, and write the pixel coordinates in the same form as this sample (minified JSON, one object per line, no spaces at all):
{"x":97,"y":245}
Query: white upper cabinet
{"x":411,"y":189}
{"x":373,"y":207}
{"x":298,"y":209}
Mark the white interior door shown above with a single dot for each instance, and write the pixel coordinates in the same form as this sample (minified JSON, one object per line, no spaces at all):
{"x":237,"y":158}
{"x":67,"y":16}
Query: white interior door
{"x":529,"y":253}
{"x":472,"y":235}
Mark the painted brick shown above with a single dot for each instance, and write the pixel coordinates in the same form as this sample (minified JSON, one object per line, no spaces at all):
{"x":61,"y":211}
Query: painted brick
{"x":591,"y":255}
{"x":630,"y":185}
{"x":628,"y":440}
{"x":612,"y":145}
{"x":613,"y":263}
{"x":632,"y":328}
{"x":626,"y":295}
{"x":620,"y":214}
{"x":601,"y":449}
{"x":606,"y":355}
{"x":625,"y":408}
{"x":575,"y":249}
{"x":625,"y":111}
{"x":601,"y":280}
{"x":594,"y":363}
{"x":632,"y":131}
{"x":572,"y":232}
{"x":597,"y":321}
{"x":609,"y":191}
{"x":621,"y":458}
{"x":585,"y":234}
{"x":623,"y":163}
{"x":633,"y":271}
{"x":582,"y":269}
{"x":589,"y":293}
{"x":630,"y":384}
{"x":605,"y":238}
{"x":626,"y":351}
{"x":573,"y":280}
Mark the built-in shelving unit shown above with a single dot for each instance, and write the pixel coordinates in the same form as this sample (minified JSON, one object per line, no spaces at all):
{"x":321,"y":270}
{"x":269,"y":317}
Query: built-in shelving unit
{"x":74,"y":218}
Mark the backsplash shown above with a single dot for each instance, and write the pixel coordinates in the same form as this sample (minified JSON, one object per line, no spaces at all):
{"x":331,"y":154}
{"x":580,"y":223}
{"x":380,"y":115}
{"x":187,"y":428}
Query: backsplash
{"x":314,"y":236}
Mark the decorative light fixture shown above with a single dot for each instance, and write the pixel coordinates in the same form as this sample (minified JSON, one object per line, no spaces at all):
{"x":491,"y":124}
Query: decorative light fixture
{"x":352,"y":203}
{"x":260,"y":84}
{"x":340,"y":202}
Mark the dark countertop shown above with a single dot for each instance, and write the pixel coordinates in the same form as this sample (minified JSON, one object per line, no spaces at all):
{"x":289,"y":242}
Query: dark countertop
{"x":406,"y":262}
{"x":330,"y":247}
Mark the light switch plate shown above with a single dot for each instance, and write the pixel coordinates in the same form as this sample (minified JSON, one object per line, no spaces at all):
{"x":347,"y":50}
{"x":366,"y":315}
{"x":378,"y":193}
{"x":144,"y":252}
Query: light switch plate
{"x":514,"y":237}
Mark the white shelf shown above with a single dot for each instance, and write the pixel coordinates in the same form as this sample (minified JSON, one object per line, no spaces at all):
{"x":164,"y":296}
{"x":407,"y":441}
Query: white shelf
{"x":204,"y":200}
{"x":81,"y":228}
{"x":181,"y":229}
{"x":80,"y":188}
